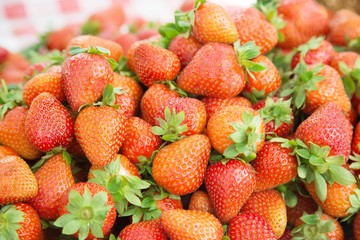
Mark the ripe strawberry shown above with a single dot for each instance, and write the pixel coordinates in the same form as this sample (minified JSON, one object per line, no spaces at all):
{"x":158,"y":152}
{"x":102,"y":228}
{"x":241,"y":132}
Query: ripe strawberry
{"x":6,"y":151}
{"x":100,"y":132}
{"x":200,"y":201}
{"x":249,"y":226}
{"x":53,"y":178}
{"x":186,"y":224}
{"x":59,"y":39}
{"x":36,"y":68}
{"x":81,"y":80}
{"x":43,"y":82}
{"x":305,"y":204}
{"x":229,"y":185}
{"x":213,"y":24}
{"x":355,"y":144}
{"x":151,"y":230}
{"x":184,"y":48}
{"x":20,"y":221}
{"x":236,"y":131}
{"x":356,"y":226}
{"x":139,"y":140}
{"x":89,"y":209}
{"x":153,"y":63}
{"x":18,"y":183}
{"x":48,"y":124}
{"x":180,"y":167}
{"x":213,"y":72}
{"x":4,"y":53}
{"x":126,"y":40}
{"x":85,"y":41}
{"x":298,"y":28}
{"x":349,"y":58}
{"x":212,"y":105}
{"x":12,"y":134}
{"x":125,"y":105}
{"x":271,"y":206}
{"x":108,"y":19}
{"x":274,"y":165}
{"x":131,"y":53}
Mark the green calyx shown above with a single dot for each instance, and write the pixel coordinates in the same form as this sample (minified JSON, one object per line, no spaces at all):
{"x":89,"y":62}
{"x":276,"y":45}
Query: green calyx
{"x":355,"y":205}
{"x":65,"y":155}
{"x":278,"y":111}
{"x":91,"y":27}
{"x":10,"y":219}
{"x":123,"y":187}
{"x":173,"y":86}
{"x":171,"y":127}
{"x":86,"y":213}
{"x":312,"y":44}
{"x":351,"y":78}
{"x":289,"y":190}
{"x":246,"y":137}
{"x":123,"y":68}
{"x":10,"y":97}
{"x":353,"y":44}
{"x":313,"y":227}
{"x":304,"y":80}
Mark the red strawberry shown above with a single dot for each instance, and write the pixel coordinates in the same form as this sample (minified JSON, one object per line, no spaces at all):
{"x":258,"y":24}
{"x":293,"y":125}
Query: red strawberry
{"x":249,"y":226}
{"x":4,"y":53}
{"x":180,"y":167}
{"x":59,"y":39}
{"x":110,"y":18}
{"x":184,"y":48}
{"x":191,"y":224}
{"x":349,"y":58}
{"x":355,"y":144}
{"x":36,"y":68}
{"x":150,"y":230}
{"x":125,"y":40}
{"x":20,"y":221}
{"x":18,"y":183}
{"x":200,"y":200}
{"x":305,"y":204}
{"x":125,"y":104}
{"x":48,"y":124}
{"x":229,"y":185}
{"x":100,"y":132}
{"x":153,"y":63}
{"x":356,"y":226}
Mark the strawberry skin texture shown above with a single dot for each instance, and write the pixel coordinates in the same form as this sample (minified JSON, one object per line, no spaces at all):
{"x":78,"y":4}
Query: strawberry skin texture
{"x":249,"y":226}
{"x":18,"y":183}
{"x":229,"y":186}
{"x":345,"y":23}
{"x":304,"y":204}
{"x":184,"y":48}
{"x":12,"y":134}
{"x":31,"y":226}
{"x":213,"y":72}
{"x":213,"y":24}
{"x":126,"y":105}
{"x":355,"y":147}
{"x":150,"y":230}
{"x":180,"y":166}
{"x":182,"y":224}
{"x":139,"y":140}
{"x":100,"y":132}
{"x":53,"y":178}
{"x":48,"y":124}
{"x":274,"y":165}
{"x":84,"y":77}
{"x":153,"y":63}
{"x":6,"y":151}
{"x":349,"y":58}
{"x":200,"y":200}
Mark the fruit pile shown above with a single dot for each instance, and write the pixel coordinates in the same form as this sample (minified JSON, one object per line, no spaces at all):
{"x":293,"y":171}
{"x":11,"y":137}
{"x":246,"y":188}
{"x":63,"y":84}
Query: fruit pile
{"x":224,"y":124}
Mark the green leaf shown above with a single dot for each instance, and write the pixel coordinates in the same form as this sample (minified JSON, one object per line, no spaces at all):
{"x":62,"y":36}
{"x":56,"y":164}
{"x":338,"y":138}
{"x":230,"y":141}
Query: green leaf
{"x":74,"y":50}
{"x":341,"y":175}
{"x":231,"y":151}
{"x":320,"y":186}
{"x":71,"y":227}
{"x":67,"y":157}
{"x":96,"y":230}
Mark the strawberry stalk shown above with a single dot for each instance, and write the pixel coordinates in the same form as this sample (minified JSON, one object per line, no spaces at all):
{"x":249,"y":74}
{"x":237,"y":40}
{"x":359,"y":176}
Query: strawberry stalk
{"x":10,"y":219}
{"x":278,"y":111}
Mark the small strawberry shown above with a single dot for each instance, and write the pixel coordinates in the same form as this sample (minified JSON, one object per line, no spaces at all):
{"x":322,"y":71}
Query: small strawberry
{"x":87,"y":211}
{"x":18,"y":183}
{"x":150,"y":230}
{"x":191,"y":224}
{"x":249,"y":226}
{"x":184,"y":48}
{"x":6,"y":151}
{"x":229,"y":185}
{"x":348,"y":57}
{"x":59,"y":39}
{"x":20,"y":221}
{"x":200,"y":200}
{"x":36,"y":68}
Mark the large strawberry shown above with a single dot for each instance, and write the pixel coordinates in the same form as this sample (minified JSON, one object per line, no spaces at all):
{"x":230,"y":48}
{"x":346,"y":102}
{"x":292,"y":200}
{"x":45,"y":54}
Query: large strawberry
{"x":48,"y":124}
{"x":17,"y":183}
{"x":20,"y":221}
{"x":182,"y":224}
{"x":180,"y":166}
{"x":184,"y":48}
{"x":150,"y":230}
{"x":100,"y":132}
{"x":229,"y":185}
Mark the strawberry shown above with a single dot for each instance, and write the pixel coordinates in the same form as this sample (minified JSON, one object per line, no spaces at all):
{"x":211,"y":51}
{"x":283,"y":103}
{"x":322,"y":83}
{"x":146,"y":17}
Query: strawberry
{"x":6,"y":151}
{"x":126,"y":40}
{"x":355,"y":144}
{"x":43,"y":82}
{"x":53,"y":178}
{"x":139,"y":140}
{"x":212,"y":105}
{"x":59,"y":39}
{"x":153,"y":63}
{"x":213,"y":24}
{"x":271,"y":206}
{"x":79,"y":75}
{"x":151,"y":230}
{"x":274,"y":165}
{"x":356,"y":226}
{"x":100,"y":132}
{"x":4,"y":53}
{"x":184,"y":48}
{"x":200,"y":200}
{"x":236,"y":131}
{"x":277,"y":114}
{"x":85,"y":41}
{"x":304,"y":204}
{"x":12,"y":134}
{"x":20,"y":221}
{"x":229,"y":185}
{"x":186,"y":224}
{"x":36,"y":68}
{"x":48,"y":124}
{"x":349,"y":58}
{"x":131,"y":53}
{"x":180,"y":167}
{"x":18,"y":183}
{"x":87,"y":211}
{"x":248,"y":226}
{"x":213,"y":72}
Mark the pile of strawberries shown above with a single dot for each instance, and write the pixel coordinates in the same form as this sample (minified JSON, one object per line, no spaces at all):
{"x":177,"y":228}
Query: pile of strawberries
{"x":224,"y":124}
